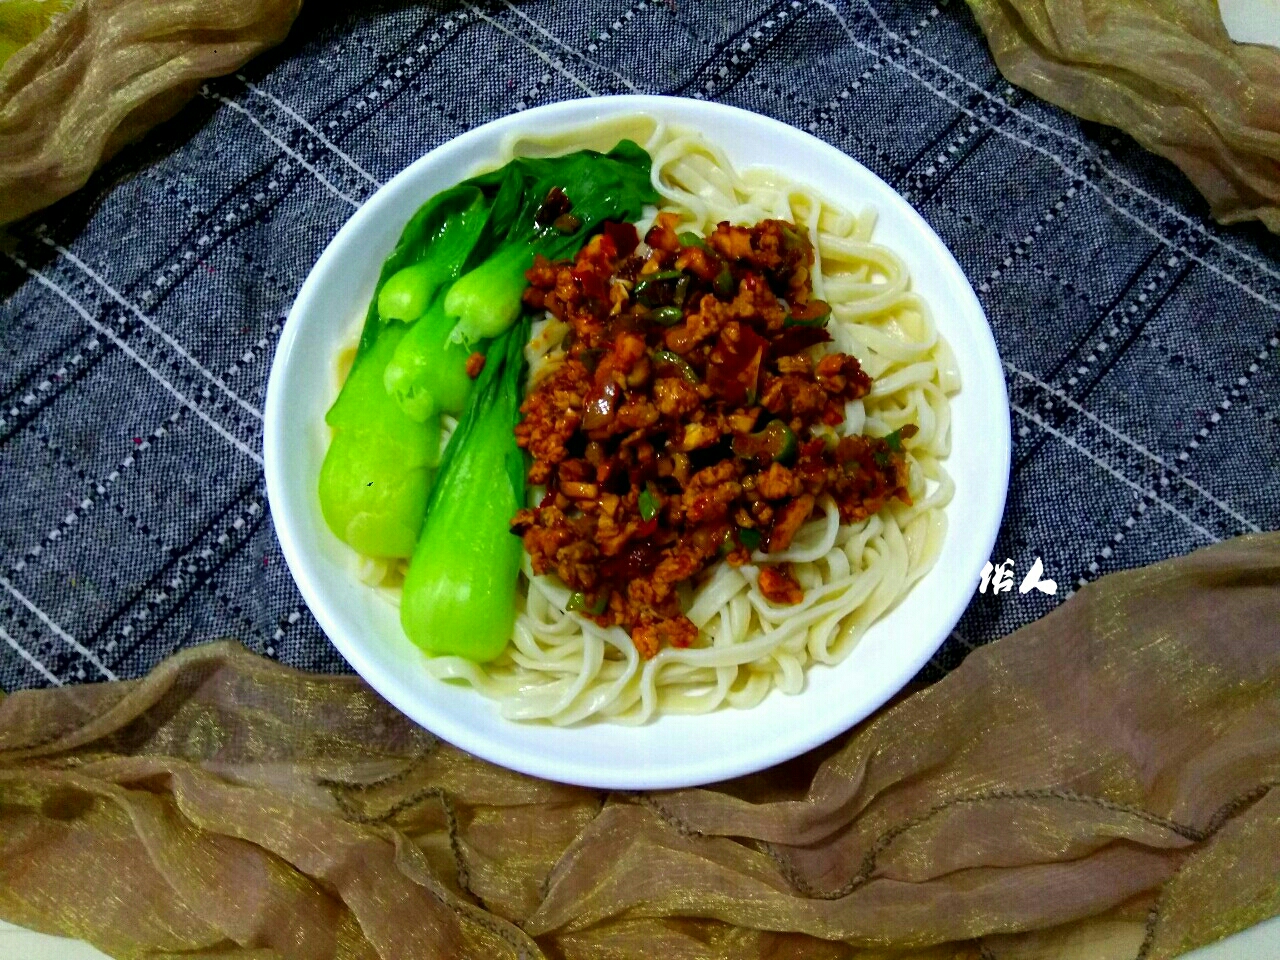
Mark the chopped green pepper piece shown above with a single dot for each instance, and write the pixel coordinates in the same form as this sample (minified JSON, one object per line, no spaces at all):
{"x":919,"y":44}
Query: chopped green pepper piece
{"x":578,"y":604}
{"x":791,"y":239}
{"x":691,"y":239}
{"x":677,"y":361}
{"x":894,"y":440}
{"x":566,"y":223}
{"x":648,"y":503}
{"x":667,"y":316}
{"x":751,"y":539}
{"x":774,"y":444}
{"x":658,"y":288}
{"x":723,"y":284}
{"x":816,"y":321}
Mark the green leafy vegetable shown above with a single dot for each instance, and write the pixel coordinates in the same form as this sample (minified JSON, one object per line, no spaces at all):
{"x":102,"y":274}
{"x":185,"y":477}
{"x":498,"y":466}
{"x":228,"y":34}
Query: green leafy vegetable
{"x":408,"y":291}
{"x":486,"y":300}
{"x":459,"y":593}
{"x":599,"y":186}
{"x":427,"y":374}
{"x":440,"y":238}
{"x":455,"y":278}
{"x":377,"y":471}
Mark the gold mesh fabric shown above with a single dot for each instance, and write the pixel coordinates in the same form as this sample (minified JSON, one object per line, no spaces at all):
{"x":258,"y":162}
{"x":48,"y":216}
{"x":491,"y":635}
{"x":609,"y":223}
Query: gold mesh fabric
{"x":107,"y":71}
{"x":1163,"y":71}
{"x":1098,"y":784}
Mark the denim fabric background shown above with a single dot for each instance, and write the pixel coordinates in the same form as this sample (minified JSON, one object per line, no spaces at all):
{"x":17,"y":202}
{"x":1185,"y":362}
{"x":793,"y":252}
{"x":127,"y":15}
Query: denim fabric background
{"x":140,"y":315}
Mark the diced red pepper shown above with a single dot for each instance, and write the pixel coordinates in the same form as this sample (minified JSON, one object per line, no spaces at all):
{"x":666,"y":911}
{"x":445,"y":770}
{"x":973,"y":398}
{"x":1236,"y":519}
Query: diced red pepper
{"x":791,"y":340}
{"x":624,"y":236}
{"x":733,"y":368}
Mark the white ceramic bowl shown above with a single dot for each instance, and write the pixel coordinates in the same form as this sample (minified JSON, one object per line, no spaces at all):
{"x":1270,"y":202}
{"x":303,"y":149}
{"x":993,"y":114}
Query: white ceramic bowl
{"x":671,"y":751}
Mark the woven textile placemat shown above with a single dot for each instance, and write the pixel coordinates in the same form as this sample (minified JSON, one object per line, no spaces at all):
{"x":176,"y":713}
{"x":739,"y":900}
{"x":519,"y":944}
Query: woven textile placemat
{"x":1139,"y":339}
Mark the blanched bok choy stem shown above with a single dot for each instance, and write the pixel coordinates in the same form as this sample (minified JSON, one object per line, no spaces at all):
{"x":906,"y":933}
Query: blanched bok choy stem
{"x":377,"y":471}
{"x":459,"y":593}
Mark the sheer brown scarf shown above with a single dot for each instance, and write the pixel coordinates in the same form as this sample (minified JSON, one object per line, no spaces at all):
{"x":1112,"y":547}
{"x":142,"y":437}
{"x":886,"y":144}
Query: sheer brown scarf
{"x":1100,"y":781}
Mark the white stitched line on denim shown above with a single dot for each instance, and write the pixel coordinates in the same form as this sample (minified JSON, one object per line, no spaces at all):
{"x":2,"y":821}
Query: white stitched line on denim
{"x":151,"y":324}
{"x":560,"y":43}
{"x":791,"y":96}
{"x":57,"y":630}
{"x":1122,"y":317}
{"x":1233,"y":394}
{"x":1123,"y":211}
{"x":230,"y":606}
{"x":286,"y":148}
{"x":408,"y":62}
{"x":47,"y":384}
{"x":213,"y":228}
{"x":133,"y":355}
{"x":1058,"y":161}
{"x":372,"y":94}
{"x":1059,"y":394}
{"x":945,"y":155}
{"x":1202,"y":434}
{"x":25,"y":655}
{"x":293,"y":617}
{"x":98,"y":489}
{"x":556,"y":64}
{"x":780,"y":17}
{"x":189,"y":570}
{"x":303,"y":123}
{"x":1064,"y":135}
{"x":969,"y":219}
{"x":1137,"y":488}
{"x":630,"y":15}
{"x":183,"y":571}
{"x":1135,"y":304}
{"x":1021,"y":247}
{"x":882,"y":59}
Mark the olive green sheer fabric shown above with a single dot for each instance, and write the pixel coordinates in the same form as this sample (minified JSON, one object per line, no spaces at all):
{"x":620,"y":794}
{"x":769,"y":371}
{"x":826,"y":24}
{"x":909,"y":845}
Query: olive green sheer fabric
{"x":1163,"y":71}
{"x":1098,"y":782}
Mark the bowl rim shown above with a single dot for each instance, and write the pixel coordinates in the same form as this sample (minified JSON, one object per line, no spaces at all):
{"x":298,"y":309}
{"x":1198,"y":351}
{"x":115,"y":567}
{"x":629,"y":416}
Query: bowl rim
{"x":563,"y":765}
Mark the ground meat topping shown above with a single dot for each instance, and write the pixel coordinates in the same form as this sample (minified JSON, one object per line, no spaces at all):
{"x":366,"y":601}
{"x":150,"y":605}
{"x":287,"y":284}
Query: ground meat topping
{"x":679,"y":428}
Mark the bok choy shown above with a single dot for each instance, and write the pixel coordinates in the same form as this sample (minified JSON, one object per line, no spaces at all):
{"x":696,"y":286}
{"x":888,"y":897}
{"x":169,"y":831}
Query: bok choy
{"x":459,"y":593}
{"x":454,"y":284}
